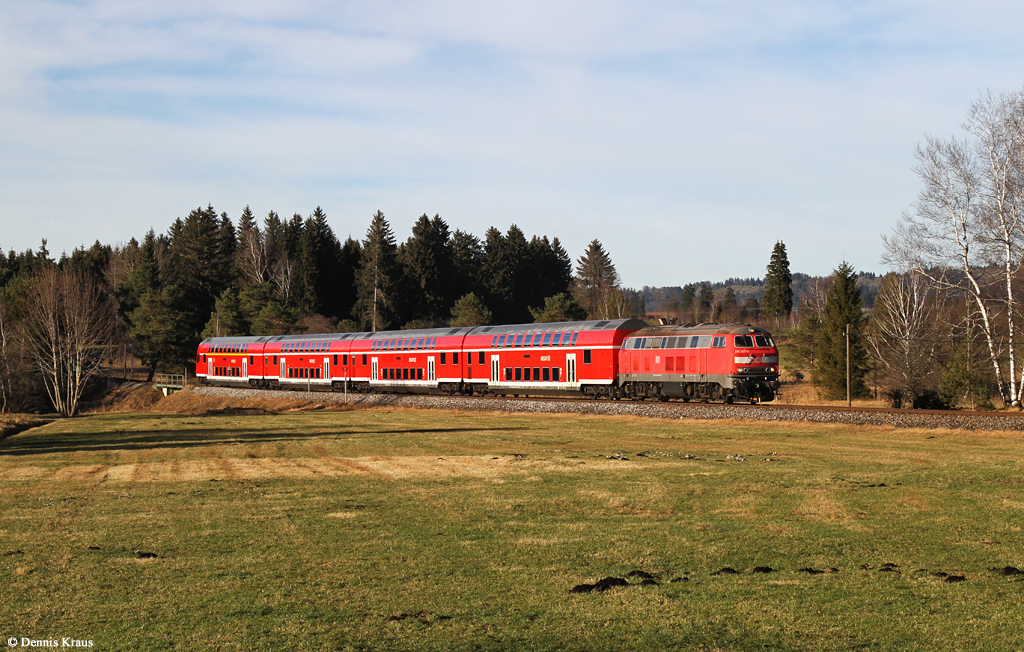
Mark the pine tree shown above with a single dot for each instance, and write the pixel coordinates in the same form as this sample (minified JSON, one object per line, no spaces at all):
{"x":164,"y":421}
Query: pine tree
{"x":201,"y":263}
{"x":427,"y":259}
{"x":842,"y":309}
{"x":596,"y":281}
{"x":376,"y":280}
{"x":467,"y":261}
{"x":560,"y":307}
{"x":470,"y":310}
{"x":502,"y":272}
{"x":778,"y":285}
{"x":548,"y":272}
{"x":227,"y":318}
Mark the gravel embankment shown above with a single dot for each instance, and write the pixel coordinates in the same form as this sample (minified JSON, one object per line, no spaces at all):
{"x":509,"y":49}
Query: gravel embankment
{"x":894,"y":418}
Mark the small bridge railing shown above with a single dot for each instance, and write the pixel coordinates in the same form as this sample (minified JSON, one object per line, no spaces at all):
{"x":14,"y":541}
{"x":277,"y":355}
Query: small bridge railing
{"x":169,"y":383}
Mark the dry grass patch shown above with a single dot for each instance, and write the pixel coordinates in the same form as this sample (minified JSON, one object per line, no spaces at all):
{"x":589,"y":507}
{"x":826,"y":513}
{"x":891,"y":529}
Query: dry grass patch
{"x":822,"y":506}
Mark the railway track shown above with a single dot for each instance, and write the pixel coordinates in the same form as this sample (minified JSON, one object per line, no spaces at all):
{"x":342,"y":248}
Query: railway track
{"x":954,"y":420}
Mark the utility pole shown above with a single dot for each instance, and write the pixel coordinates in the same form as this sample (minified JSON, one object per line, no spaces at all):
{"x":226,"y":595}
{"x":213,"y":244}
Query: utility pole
{"x":848,"y":402}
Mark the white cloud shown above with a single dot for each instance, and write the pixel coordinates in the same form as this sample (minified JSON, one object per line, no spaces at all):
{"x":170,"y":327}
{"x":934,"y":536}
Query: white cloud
{"x":686,"y":136}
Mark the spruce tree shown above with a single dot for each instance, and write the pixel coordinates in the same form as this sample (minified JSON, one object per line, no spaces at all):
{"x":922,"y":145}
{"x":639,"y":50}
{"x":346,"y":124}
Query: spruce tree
{"x":778,"y":285}
{"x":842,"y":308}
{"x":596,"y":280}
{"x":470,"y":311}
{"x":467,"y":260}
{"x":428,"y":261}
{"x":376,"y":280}
{"x":560,"y":307}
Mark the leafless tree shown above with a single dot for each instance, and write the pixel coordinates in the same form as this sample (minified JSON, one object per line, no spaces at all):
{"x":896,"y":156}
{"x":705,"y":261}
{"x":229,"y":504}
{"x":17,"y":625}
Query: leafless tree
{"x":252,"y":255}
{"x":6,"y":353}
{"x":965,"y":232}
{"x":283,"y":275}
{"x":903,"y":333}
{"x":68,"y":321}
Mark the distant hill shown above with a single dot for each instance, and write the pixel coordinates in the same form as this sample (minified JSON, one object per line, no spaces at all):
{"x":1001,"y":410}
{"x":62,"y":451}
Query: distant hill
{"x":662,"y":299}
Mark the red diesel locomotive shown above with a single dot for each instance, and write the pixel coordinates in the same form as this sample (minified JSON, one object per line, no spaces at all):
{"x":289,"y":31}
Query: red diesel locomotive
{"x":622,"y":358}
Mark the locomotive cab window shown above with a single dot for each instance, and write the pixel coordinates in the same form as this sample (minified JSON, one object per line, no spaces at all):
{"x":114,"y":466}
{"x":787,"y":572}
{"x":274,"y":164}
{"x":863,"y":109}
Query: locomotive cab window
{"x":744,"y":342}
{"x":763,"y":340}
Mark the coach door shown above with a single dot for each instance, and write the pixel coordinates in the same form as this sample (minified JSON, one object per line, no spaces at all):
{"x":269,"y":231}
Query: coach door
{"x":327,"y":369}
{"x":284,"y":369}
{"x":373,"y":369}
{"x":495,"y":368}
{"x":570,"y":368}
{"x":430,"y":369}
{"x":245,"y":367}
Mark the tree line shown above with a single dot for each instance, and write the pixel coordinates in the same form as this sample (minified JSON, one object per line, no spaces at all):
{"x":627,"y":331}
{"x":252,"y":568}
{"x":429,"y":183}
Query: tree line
{"x":208,"y":275}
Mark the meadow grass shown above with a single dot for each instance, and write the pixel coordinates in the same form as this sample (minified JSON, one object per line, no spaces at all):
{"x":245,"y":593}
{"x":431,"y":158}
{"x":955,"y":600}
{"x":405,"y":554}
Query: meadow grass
{"x":397,"y":529}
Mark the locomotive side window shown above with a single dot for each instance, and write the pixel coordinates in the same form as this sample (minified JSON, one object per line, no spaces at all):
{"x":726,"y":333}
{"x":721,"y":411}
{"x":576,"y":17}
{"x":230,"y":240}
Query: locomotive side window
{"x":693,"y":342}
{"x":638,"y":343}
{"x":744,"y":342}
{"x":763,"y":340}
{"x":719,"y":342}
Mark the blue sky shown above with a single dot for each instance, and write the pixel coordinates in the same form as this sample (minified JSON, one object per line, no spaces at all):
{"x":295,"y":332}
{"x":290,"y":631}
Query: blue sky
{"x":686,"y":136}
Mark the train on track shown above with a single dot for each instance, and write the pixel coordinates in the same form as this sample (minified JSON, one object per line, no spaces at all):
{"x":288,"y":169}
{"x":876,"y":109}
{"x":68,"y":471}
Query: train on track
{"x":617,"y":359}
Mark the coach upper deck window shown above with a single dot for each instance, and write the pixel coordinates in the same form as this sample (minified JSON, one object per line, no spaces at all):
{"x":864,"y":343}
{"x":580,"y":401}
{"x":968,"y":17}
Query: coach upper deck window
{"x":555,"y":339}
{"x":574,"y":336}
{"x":547,"y":339}
{"x":501,"y":341}
{"x":519,"y":340}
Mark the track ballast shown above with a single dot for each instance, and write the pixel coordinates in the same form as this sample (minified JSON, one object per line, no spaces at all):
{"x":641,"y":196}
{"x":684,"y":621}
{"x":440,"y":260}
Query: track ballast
{"x":954,"y":420}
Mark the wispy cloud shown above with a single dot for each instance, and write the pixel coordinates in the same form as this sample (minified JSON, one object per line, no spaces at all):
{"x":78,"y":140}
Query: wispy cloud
{"x":686,"y":136}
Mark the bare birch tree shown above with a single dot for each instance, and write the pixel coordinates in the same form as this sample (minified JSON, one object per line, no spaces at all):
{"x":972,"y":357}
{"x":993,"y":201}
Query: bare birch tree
{"x":68,"y":321}
{"x":965,"y":232}
{"x":902,"y":334}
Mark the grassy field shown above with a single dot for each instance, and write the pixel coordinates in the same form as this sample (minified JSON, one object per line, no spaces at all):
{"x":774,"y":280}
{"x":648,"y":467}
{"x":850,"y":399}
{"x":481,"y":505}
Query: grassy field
{"x":391,"y":529}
